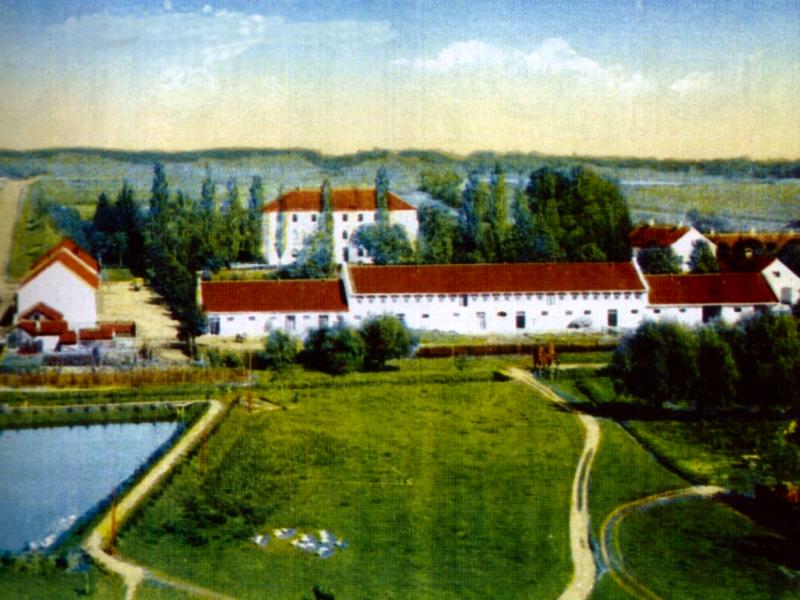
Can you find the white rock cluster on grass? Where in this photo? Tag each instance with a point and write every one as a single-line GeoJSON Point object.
{"type": "Point", "coordinates": [325, 545]}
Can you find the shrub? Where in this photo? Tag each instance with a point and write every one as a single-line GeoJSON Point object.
{"type": "Point", "coordinates": [281, 350]}
{"type": "Point", "coordinates": [336, 350]}
{"type": "Point", "coordinates": [385, 337]}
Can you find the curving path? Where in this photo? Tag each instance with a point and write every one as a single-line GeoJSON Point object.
{"type": "Point", "coordinates": [609, 543]}
{"type": "Point", "coordinates": [585, 574]}
{"type": "Point", "coordinates": [96, 543]}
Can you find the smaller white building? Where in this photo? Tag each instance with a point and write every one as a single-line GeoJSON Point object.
{"type": "Point", "coordinates": [297, 214]}
{"type": "Point", "coordinates": [695, 299]}
{"type": "Point", "coordinates": [255, 308]}
{"type": "Point", "coordinates": [784, 282]}
{"type": "Point", "coordinates": [65, 279]}
{"type": "Point", "coordinates": [678, 237]}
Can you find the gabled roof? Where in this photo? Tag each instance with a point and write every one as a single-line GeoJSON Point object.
{"type": "Point", "coordinates": [68, 260]}
{"type": "Point", "coordinates": [38, 328]}
{"type": "Point", "coordinates": [71, 246]}
{"type": "Point", "coordinates": [47, 311]}
{"type": "Point", "coordinates": [103, 332]}
{"type": "Point", "coordinates": [754, 264]}
{"type": "Point", "coordinates": [123, 328]}
{"type": "Point", "coordinates": [486, 278]}
{"type": "Point", "coordinates": [341, 200]}
{"type": "Point", "coordinates": [645, 236]}
{"type": "Point", "coordinates": [710, 289]}
{"type": "Point", "coordinates": [273, 296]}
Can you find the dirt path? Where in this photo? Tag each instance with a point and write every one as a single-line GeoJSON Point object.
{"type": "Point", "coordinates": [609, 541]}
{"type": "Point", "coordinates": [11, 191]}
{"type": "Point", "coordinates": [97, 542]}
{"type": "Point", "coordinates": [583, 578]}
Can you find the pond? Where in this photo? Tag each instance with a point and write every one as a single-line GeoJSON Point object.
{"type": "Point", "coordinates": [52, 476]}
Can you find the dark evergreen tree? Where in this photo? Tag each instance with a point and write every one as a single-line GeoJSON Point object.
{"type": "Point", "coordinates": [382, 195]}
{"type": "Point", "coordinates": [438, 234]}
{"type": "Point", "coordinates": [385, 244]}
{"type": "Point", "coordinates": [702, 259]}
{"type": "Point", "coordinates": [255, 220]}
{"type": "Point", "coordinates": [658, 260]}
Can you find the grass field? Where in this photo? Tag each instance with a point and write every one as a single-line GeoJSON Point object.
{"type": "Point", "coordinates": [54, 584]}
{"type": "Point", "coordinates": [443, 490]}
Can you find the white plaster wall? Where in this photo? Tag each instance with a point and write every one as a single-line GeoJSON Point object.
{"type": "Point", "coordinates": [683, 247]}
{"type": "Point", "coordinates": [543, 312]}
{"type": "Point", "coordinates": [261, 324]}
{"type": "Point", "coordinates": [693, 315]}
{"type": "Point", "coordinates": [63, 290]}
{"type": "Point", "coordinates": [780, 278]}
{"type": "Point", "coordinates": [345, 223]}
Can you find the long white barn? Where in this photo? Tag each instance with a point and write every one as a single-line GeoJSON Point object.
{"type": "Point", "coordinates": [297, 214]}
{"type": "Point", "coordinates": [487, 299]}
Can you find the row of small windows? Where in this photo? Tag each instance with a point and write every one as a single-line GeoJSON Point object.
{"type": "Point", "coordinates": [345, 217]}
{"type": "Point", "coordinates": [464, 299]}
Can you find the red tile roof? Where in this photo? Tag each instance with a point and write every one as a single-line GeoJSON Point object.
{"type": "Point", "coordinates": [37, 328]}
{"type": "Point", "coordinates": [126, 328]}
{"type": "Point", "coordinates": [68, 338]}
{"type": "Point", "coordinates": [68, 259]}
{"type": "Point", "coordinates": [71, 246]}
{"type": "Point", "coordinates": [50, 313]}
{"type": "Point", "coordinates": [98, 333]}
{"type": "Point", "coordinates": [342, 200]}
{"type": "Point", "coordinates": [711, 289]}
{"type": "Point", "coordinates": [519, 277]}
{"type": "Point", "coordinates": [645, 236]}
{"type": "Point", "coordinates": [273, 296]}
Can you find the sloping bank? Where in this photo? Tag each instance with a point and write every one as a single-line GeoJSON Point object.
{"type": "Point", "coordinates": [97, 544]}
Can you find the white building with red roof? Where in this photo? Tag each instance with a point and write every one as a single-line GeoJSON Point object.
{"type": "Point", "coordinates": [298, 213]}
{"type": "Point", "coordinates": [64, 281]}
{"type": "Point", "coordinates": [680, 238]}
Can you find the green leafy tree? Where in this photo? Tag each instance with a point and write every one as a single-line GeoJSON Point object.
{"type": "Point", "coordinates": [159, 192]}
{"type": "Point", "coordinates": [326, 223]}
{"type": "Point", "coordinates": [385, 337]}
{"type": "Point", "coordinates": [193, 323]}
{"type": "Point", "coordinates": [439, 230]}
{"type": "Point", "coordinates": [130, 222]}
{"type": "Point", "coordinates": [658, 260]}
{"type": "Point", "coordinates": [471, 220]}
{"type": "Point", "coordinates": [315, 259]}
{"type": "Point", "coordinates": [702, 259]}
{"type": "Point", "coordinates": [443, 185]}
{"type": "Point", "coordinates": [255, 220]}
{"type": "Point", "coordinates": [768, 356]}
{"type": "Point", "coordinates": [718, 373]}
{"type": "Point", "coordinates": [281, 350]}
{"type": "Point", "coordinates": [497, 245]}
{"type": "Point", "coordinates": [382, 195]}
{"type": "Point", "coordinates": [337, 350]}
{"type": "Point", "coordinates": [234, 224]}
{"type": "Point", "coordinates": [385, 244]}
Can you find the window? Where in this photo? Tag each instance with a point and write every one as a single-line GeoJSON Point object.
{"type": "Point", "coordinates": [291, 323]}
{"type": "Point", "coordinates": [213, 325]}
{"type": "Point", "coordinates": [683, 310]}
{"type": "Point", "coordinates": [481, 320]}
{"type": "Point", "coordinates": [323, 321]}
{"type": "Point", "coordinates": [568, 313]}
{"type": "Point", "coordinates": [360, 251]}
{"type": "Point", "coordinates": [464, 300]}
{"type": "Point", "coordinates": [786, 295]}
{"type": "Point", "coordinates": [230, 318]}
{"type": "Point", "coordinates": [551, 299]}
{"type": "Point", "coordinates": [502, 314]}
{"type": "Point", "coordinates": [737, 309]}
{"type": "Point", "coordinates": [545, 313]}
{"type": "Point", "coordinates": [776, 273]}
{"type": "Point", "coordinates": [400, 316]}
{"type": "Point", "coordinates": [612, 317]}
{"type": "Point", "coordinates": [456, 314]}
{"type": "Point", "coordinates": [635, 311]}
{"type": "Point", "coordinates": [360, 217]}
{"type": "Point", "coordinates": [313, 218]}
{"type": "Point", "coordinates": [251, 318]}
{"type": "Point", "coordinates": [346, 254]}
{"type": "Point", "coordinates": [520, 320]}
{"type": "Point", "coordinates": [425, 316]}
{"type": "Point", "coordinates": [587, 312]}
{"type": "Point", "coordinates": [294, 218]}
{"type": "Point", "coordinates": [344, 235]}
{"type": "Point", "coordinates": [344, 217]}
{"type": "Point", "coordinates": [657, 311]}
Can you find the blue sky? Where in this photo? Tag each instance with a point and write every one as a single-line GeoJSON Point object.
{"type": "Point", "coordinates": [682, 79]}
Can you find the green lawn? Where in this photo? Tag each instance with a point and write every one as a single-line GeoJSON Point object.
{"type": "Point", "coordinates": [702, 549]}
{"type": "Point", "coordinates": [456, 490]}
{"type": "Point", "coordinates": [33, 236]}
{"type": "Point", "coordinates": [52, 584]}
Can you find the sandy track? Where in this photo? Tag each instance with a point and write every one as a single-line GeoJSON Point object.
{"type": "Point", "coordinates": [97, 541]}
{"type": "Point", "coordinates": [609, 543]}
{"type": "Point", "coordinates": [11, 193]}
{"type": "Point", "coordinates": [585, 574]}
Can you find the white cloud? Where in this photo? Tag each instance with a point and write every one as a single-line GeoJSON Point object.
{"type": "Point", "coordinates": [195, 44]}
{"type": "Point", "coordinates": [693, 82]}
{"type": "Point", "coordinates": [553, 57]}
